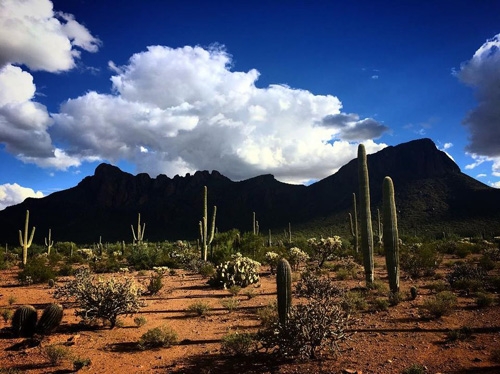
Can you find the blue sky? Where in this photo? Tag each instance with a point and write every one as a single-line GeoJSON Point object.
{"type": "Point", "coordinates": [243, 87]}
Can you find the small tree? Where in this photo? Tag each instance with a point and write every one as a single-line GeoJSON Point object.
{"type": "Point", "coordinates": [100, 298]}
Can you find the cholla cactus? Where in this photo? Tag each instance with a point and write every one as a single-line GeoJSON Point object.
{"type": "Point", "coordinates": [101, 298]}
{"type": "Point", "coordinates": [240, 271]}
{"type": "Point", "coordinates": [296, 257]}
{"type": "Point", "coordinates": [272, 259]}
{"type": "Point", "coordinates": [325, 248]}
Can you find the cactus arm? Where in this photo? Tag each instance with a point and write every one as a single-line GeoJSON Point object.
{"type": "Point", "coordinates": [133, 233]}
{"type": "Point", "coordinates": [21, 243]}
{"type": "Point", "coordinates": [143, 231]}
{"type": "Point", "coordinates": [365, 213]}
{"type": "Point", "coordinates": [212, 233]}
{"type": "Point", "coordinates": [391, 238]}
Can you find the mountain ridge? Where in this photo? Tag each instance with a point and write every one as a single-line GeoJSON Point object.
{"type": "Point", "coordinates": [431, 194]}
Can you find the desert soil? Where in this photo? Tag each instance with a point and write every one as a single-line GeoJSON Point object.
{"type": "Point", "coordinates": [382, 342]}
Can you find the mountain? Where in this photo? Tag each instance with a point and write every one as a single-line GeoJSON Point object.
{"type": "Point", "coordinates": [432, 196]}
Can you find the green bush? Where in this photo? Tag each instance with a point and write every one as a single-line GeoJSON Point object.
{"type": "Point", "coordinates": [37, 271]}
{"type": "Point", "coordinates": [441, 304]}
{"type": "Point", "coordinates": [158, 337]}
{"type": "Point", "coordinates": [199, 308]}
{"type": "Point", "coordinates": [484, 300]}
{"type": "Point", "coordinates": [140, 321]}
{"type": "Point", "coordinates": [237, 343]}
{"type": "Point", "coordinates": [80, 363]}
{"type": "Point", "coordinates": [414, 369]}
{"type": "Point", "coordinates": [6, 314]}
{"type": "Point", "coordinates": [230, 303]}
{"type": "Point", "coordinates": [420, 260]}
{"type": "Point", "coordinates": [268, 315]}
{"type": "Point", "coordinates": [101, 298]}
{"type": "Point", "coordinates": [466, 275]}
{"type": "Point", "coordinates": [56, 353]}
{"type": "Point", "coordinates": [155, 283]}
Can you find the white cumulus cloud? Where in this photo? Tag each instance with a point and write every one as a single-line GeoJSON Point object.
{"type": "Point", "coordinates": [11, 194]}
{"type": "Point", "coordinates": [33, 35]}
{"type": "Point", "coordinates": [191, 111]}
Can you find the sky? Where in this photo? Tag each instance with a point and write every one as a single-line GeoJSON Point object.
{"type": "Point", "coordinates": [288, 88]}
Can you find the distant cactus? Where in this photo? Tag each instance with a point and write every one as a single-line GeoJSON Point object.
{"type": "Point", "coordinates": [366, 216]}
{"type": "Point", "coordinates": [205, 240]}
{"type": "Point", "coordinates": [24, 321]}
{"type": "Point", "coordinates": [49, 242]}
{"type": "Point", "coordinates": [284, 289]}
{"type": "Point", "coordinates": [391, 238]}
{"type": "Point", "coordinates": [354, 224]}
{"type": "Point", "coordinates": [51, 318]}
{"type": "Point", "coordinates": [413, 292]}
{"type": "Point", "coordinates": [51, 283]}
{"type": "Point", "coordinates": [137, 239]}
{"type": "Point", "coordinates": [25, 243]}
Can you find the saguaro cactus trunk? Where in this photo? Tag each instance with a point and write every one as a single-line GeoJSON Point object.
{"type": "Point", "coordinates": [284, 289]}
{"type": "Point", "coordinates": [391, 238]}
{"type": "Point", "coordinates": [49, 242]}
{"type": "Point", "coordinates": [205, 240]}
{"type": "Point", "coordinates": [354, 224]}
{"type": "Point", "coordinates": [365, 215]}
{"type": "Point", "coordinates": [24, 242]}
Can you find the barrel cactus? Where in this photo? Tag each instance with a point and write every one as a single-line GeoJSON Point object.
{"type": "Point", "coordinates": [284, 289]}
{"type": "Point", "coordinates": [24, 321]}
{"type": "Point", "coordinates": [51, 318]}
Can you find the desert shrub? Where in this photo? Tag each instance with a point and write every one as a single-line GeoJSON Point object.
{"type": "Point", "coordinates": [441, 304]}
{"type": "Point", "coordinates": [419, 260]}
{"type": "Point", "coordinates": [381, 304]}
{"type": "Point", "coordinates": [272, 259]}
{"type": "Point", "coordinates": [466, 275]}
{"type": "Point", "coordinates": [140, 321]}
{"type": "Point", "coordinates": [268, 315]}
{"type": "Point", "coordinates": [101, 298]}
{"type": "Point", "coordinates": [37, 271]}
{"type": "Point", "coordinates": [395, 298]}
{"type": "Point", "coordinates": [6, 314]}
{"type": "Point", "coordinates": [250, 293]}
{"type": "Point", "coordinates": [414, 369]}
{"type": "Point", "coordinates": [56, 353]}
{"type": "Point", "coordinates": [158, 337]}
{"type": "Point", "coordinates": [354, 301]}
{"type": "Point", "coordinates": [207, 270]}
{"type": "Point", "coordinates": [155, 283]}
{"type": "Point", "coordinates": [463, 333]}
{"type": "Point", "coordinates": [487, 263]}
{"type": "Point", "coordinates": [237, 343]}
{"type": "Point", "coordinates": [325, 248]}
{"type": "Point", "coordinates": [316, 287]}
{"type": "Point", "coordinates": [234, 290]}
{"type": "Point", "coordinates": [105, 265]}
{"type": "Point", "coordinates": [495, 355]}
{"type": "Point", "coordinates": [240, 271]}
{"type": "Point", "coordinates": [438, 286]}
{"type": "Point", "coordinates": [230, 303]}
{"type": "Point", "coordinates": [318, 324]}
{"type": "Point", "coordinates": [11, 300]}
{"type": "Point", "coordinates": [484, 300]}
{"type": "Point", "coordinates": [199, 308]}
{"type": "Point", "coordinates": [79, 363]}
{"type": "Point", "coordinates": [66, 270]}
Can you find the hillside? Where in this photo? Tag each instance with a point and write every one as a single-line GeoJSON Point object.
{"type": "Point", "coordinates": [432, 196]}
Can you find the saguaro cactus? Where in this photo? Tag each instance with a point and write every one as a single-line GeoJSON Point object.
{"type": "Point", "coordinates": [354, 224]}
{"type": "Point", "coordinates": [284, 289]}
{"type": "Point", "coordinates": [24, 321]}
{"type": "Point", "coordinates": [391, 239]}
{"type": "Point", "coordinates": [137, 239]}
{"type": "Point", "coordinates": [49, 242]}
{"type": "Point", "coordinates": [205, 240]}
{"type": "Point", "coordinates": [365, 215]}
{"type": "Point", "coordinates": [51, 318]}
{"type": "Point", "coordinates": [25, 243]}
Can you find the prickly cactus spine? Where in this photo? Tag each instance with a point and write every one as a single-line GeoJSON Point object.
{"type": "Point", "coordinates": [365, 215]}
{"type": "Point", "coordinates": [391, 238]}
{"type": "Point", "coordinates": [284, 288]}
{"type": "Point", "coordinates": [51, 318]}
{"type": "Point", "coordinates": [24, 321]}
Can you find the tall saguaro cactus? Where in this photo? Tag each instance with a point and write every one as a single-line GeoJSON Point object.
{"type": "Point", "coordinates": [354, 224]}
{"type": "Point", "coordinates": [365, 215]}
{"type": "Point", "coordinates": [24, 242]}
{"type": "Point", "coordinates": [140, 231]}
{"type": "Point", "coordinates": [205, 240]}
{"type": "Point", "coordinates": [49, 242]}
{"type": "Point", "coordinates": [391, 238]}
{"type": "Point", "coordinates": [284, 289]}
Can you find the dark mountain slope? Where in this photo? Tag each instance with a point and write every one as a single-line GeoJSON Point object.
{"type": "Point", "coordinates": [431, 194]}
